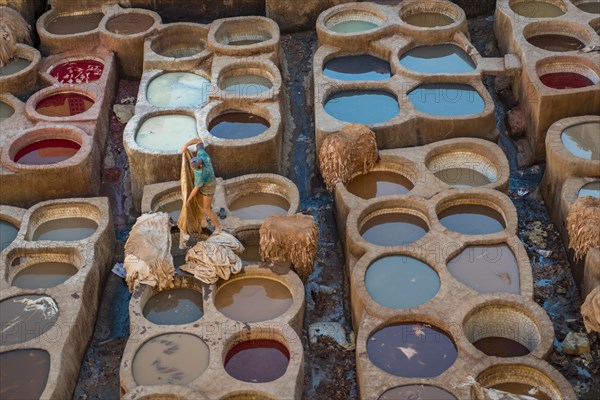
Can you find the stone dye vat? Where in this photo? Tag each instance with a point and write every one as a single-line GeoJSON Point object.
{"type": "Point", "coordinates": [160, 354]}
{"type": "Point", "coordinates": [50, 297]}
{"type": "Point", "coordinates": [19, 76]}
{"type": "Point", "coordinates": [429, 84]}
{"type": "Point", "coordinates": [556, 76]}
{"type": "Point", "coordinates": [178, 89]}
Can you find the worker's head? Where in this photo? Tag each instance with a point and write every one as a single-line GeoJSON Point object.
{"type": "Point", "coordinates": [197, 163]}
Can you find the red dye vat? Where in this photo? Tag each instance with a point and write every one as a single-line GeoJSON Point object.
{"type": "Point", "coordinates": [49, 151]}
{"type": "Point", "coordinates": [78, 71]}
{"type": "Point", "coordinates": [64, 104]}
{"type": "Point", "coordinates": [566, 80]}
{"type": "Point", "coordinates": [257, 361]}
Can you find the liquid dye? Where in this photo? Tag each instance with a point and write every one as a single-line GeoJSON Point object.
{"type": "Point", "coordinates": [472, 219]}
{"type": "Point", "coordinates": [174, 307]}
{"type": "Point", "coordinates": [501, 347]}
{"type": "Point", "coordinates": [253, 299]}
{"type": "Point", "coordinates": [72, 24]}
{"type": "Point", "coordinates": [23, 374]}
{"type": "Point", "coordinates": [354, 26]}
{"type": "Point", "coordinates": [14, 66]}
{"type": "Point", "coordinates": [558, 43]}
{"type": "Point", "coordinates": [362, 107]}
{"type": "Point", "coordinates": [428, 19]}
{"type": "Point", "coordinates": [245, 42]}
{"type": "Point", "coordinates": [46, 152]}
{"type": "Point", "coordinates": [412, 350]}
{"type": "Point", "coordinates": [416, 392]}
{"type": "Point", "coordinates": [257, 361]}
{"type": "Point", "coordinates": [357, 68]}
{"type": "Point", "coordinates": [6, 111]}
{"type": "Point", "coordinates": [590, 189]}
{"type": "Point", "coordinates": [24, 318]}
{"type": "Point", "coordinates": [487, 269]}
{"type": "Point", "coordinates": [65, 229]}
{"type": "Point", "coordinates": [130, 23]}
{"type": "Point", "coordinates": [64, 105]}
{"type": "Point", "coordinates": [379, 183]}
{"type": "Point", "coordinates": [166, 132]}
{"type": "Point", "coordinates": [394, 229]}
{"type": "Point", "coordinates": [593, 7]}
{"type": "Point", "coordinates": [537, 9]}
{"type": "Point", "coordinates": [259, 206]}
{"type": "Point", "coordinates": [246, 85]}
{"type": "Point", "coordinates": [44, 275]}
{"type": "Point", "coordinates": [447, 99]}
{"type": "Point", "coordinates": [8, 233]}
{"type": "Point", "coordinates": [79, 71]}
{"type": "Point", "coordinates": [237, 125]}
{"type": "Point", "coordinates": [583, 140]}
{"type": "Point", "coordinates": [462, 178]}
{"type": "Point", "coordinates": [178, 89]}
{"type": "Point", "coordinates": [438, 59]}
{"type": "Point", "coordinates": [171, 359]}
{"type": "Point", "coordinates": [401, 282]}
{"type": "Point", "coordinates": [565, 80]}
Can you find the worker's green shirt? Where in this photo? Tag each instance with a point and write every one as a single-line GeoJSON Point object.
{"type": "Point", "coordinates": [206, 174]}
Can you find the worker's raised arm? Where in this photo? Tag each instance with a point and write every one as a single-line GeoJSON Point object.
{"type": "Point", "coordinates": [191, 142]}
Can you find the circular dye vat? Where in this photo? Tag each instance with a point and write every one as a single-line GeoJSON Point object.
{"type": "Point", "coordinates": [537, 9]}
{"type": "Point", "coordinates": [259, 206]}
{"type": "Point", "coordinates": [522, 389]}
{"type": "Point", "coordinates": [46, 152]}
{"type": "Point", "coordinates": [64, 104]}
{"type": "Point", "coordinates": [178, 89]}
{"type": "Point", "coordinates": [6, 111]}
{"type": "Point", "coordinates": [462, 178]}
{"type": "Point", "coordinates": [472, 219]}
{"type": "Point", "coordinates": [447, 99]}
{"type": "Point", "coordinates": [257, 361]}
{"type": "Point", "coordinates": [23, 374]}
{"type": "Point", "coordinates": [24, 318]}
{"type": "Point", "coordinates": [378, 184]}
{"type": "Point", "coordinates": [353, 26]}
{"type": "Point", "coordinates": [65, 229]}
{"type": "Point", "coordinates": [78, 71]}
{"type": "Point", "coordinates": [552, 42]}
{"type": "Point", "coordinates": [174, 307]}
{"type": "Point", "coordinates": [173, 209]}
{"type": "Point", "coordinates": [251, 253]}
{"type": "Point", "coordinates": [394, 229]}
{"type": "Point", "coordinates": [565, 80]}
{"type": "Point", "coordinates": [438, 59]}
{"type": "Point", "coordinates": [253, 299]}
{"type": "Point", "coordinates": [487, 269]}
{"type": "Point", "coordinates": [72, 24]}
{"type": "Point", "coordinates": [358, 68]}
{"type": "Point", "coordinates": [412, 350]}
{"type": "Point", "coordinates": [44, 275]}
{"type": "Point", "coordinates": [8, 233]}
{"type": "Point", "coordinates": [13, 66]}
{"type": "Point", "coordinates": [583, 140]}
{"type": "Point", "coordinates": [246, 85]}
{"type": "Point", "coordinates": [171, 359]}
{"type": "Point", "coordinates": [592, 7]}
{"type": "Point", "coordinates": [417, 392]}
{"type": "Point", "coordinates": [401, 282]}
{"type": "Point", "coordinates": [166, 132]}
{"type": "Point", "coordinates": [129, 23]}
{"type": "Point", "coordinates": [590, 189]}
{"type": "Point", "coordinates": [362, 107]}
{"type": "Point", "coordinates": [237, 125]}
{"type": "Point", "coordinates": [500, 347]}
{"type": "Point", "coordinates": [428, 20]}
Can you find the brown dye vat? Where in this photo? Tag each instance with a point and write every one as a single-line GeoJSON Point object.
{"type": "Point", "coordinates": [64, 105]}
{"type": "Point", "coordinates": [583, 140]}
{"type": "Point", "coordinates": [14, 66]}
{"type": "Point", "coordinates": [129, 23]}
{"type": "Point", "coordinates": [24, 318]}
{"type": "Point", "coordinates": [65, 229]}
{"type": "Point", "coordinates": [72, 24]}
{"type": "Point", "coordinates": [379, 183]}
{"type": "Point", "coordinates": [237, 125]}
{"type": "Point", "coordinates": [593, 7]}
{"type": "Point", "coordinates": [257, 361]}
{"type": "Point", "coordinates": [174, 307]}
{"type": "Point", "coordinates": [417, 392]}
{"type": "Point", "coordinates": [44, 275]}
{"type": "Point", "coordinates": [501, 347]}
{"type": "Point", "coordinates": [171, 359]}
{"type": "Point", "coordinates": [412, 350]}
{"type": "Point", "coordinates": [472, 219]}
{"type": "Point", "coordinates": [487, 269]}
{"type": "Point", "coordinates": [428, 20]}
{"type": "Point", "coordinates": [259, 206]}
{"type": "Point", "coordinates": [523, 390]}
{"type": "Point", "coordinates": [253, 299]}
{"type": "Point", "coordinates": [394, 229]}
{"type": "Point", "coordinates": [23, 374]}
{"type": "Point", "coordinates": [537, 9]}
{"type": "Point", "coordinates": [559, 43]}
{"type": "Point", "coordinates": [462, 178]}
